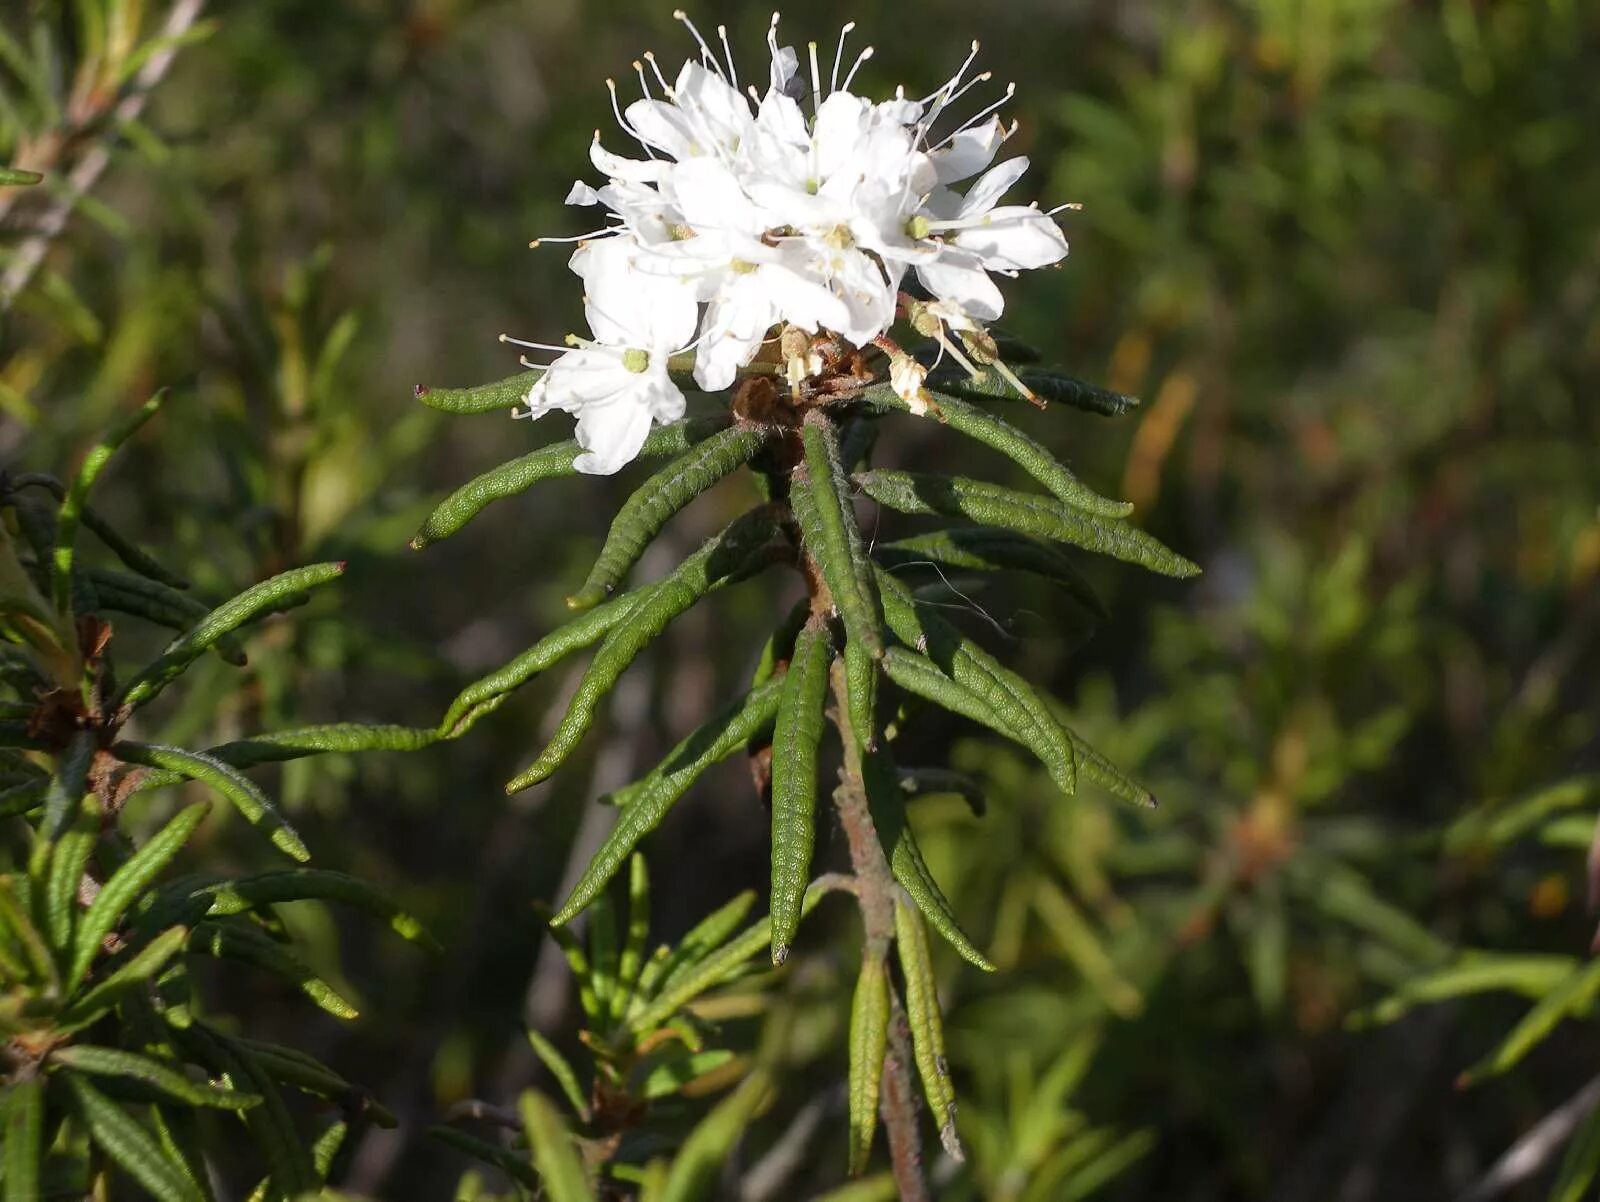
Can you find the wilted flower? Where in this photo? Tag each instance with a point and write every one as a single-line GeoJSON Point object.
{"type": "Point", "coordinates": [745, 217]}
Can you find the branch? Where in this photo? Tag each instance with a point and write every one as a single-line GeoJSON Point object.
{"type": "Point", "coordinates": [87, 171]}
{"type": "Point", "coordinates": [875, 893]}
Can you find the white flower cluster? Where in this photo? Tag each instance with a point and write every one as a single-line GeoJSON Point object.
{"type": "Point", "coordinates": [745, 215]}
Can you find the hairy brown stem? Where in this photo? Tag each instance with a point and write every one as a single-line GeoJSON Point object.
{"type": "Point", "coordinates": [875, 894]}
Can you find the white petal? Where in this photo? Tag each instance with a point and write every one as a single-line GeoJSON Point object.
{"type": "Point", "coordinates": [1014, 238]}
{"type": "Point", "coordinates": [662, 125]}
{"type": "Point", "coordinates": [582, 194]}
{"type": "Point", "coordinates": [721, 111]}
{"type": "Point", "coordinates": [627, 303]}
{"type": "Point", "coordinates": [958, 278]}
{"type": "Point", "coordinates": [735, 324]}
{"type": "Point", "coordinates": [709, 195]}
{"type": "Point", "coordinates": [780, 118]}
{"type": "Point", "coordinates": [802, 300]}
{"type": "Point", "coordinates": [611, 434]}
{"type": "Point", "coordinates": [617, 167]}
{"type": "Point", "coordinates": [969, 151]}
{"type": "Point", "coordinates": [992, 185]}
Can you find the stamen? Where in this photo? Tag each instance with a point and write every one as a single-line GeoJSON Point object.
{"type": "Point", "coordinates": [816, 79]}
{"type": "Point", "coordinates": [861, 58]}
{"type": "Point", "coordinates": [733, 74]}
{"type": "Point", "coordinates": [955, 79]}
{"type": "Point", "coordinates": [1074, 205]}
{"type": "Point", "coordinates": [705, 50]}
{"type": "Point", "coordinates": [534, 346]}
{"type": "Point", "coordinates": [775, 51]}
{"type": "Point", "coordinates": [838, 55]}
{"type": "Point", "coordinates": [604, 231]}
{"type": "Point", "coordinates": [616, 111]}
{"type": "Point", "coordinates": [644, 85]}
{"type": "Point", "coordinates": [650, 57]}
{"type": "Point", "coordinates": [1011, 90]}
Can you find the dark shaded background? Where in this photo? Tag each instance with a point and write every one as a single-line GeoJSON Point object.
{"type": "Point", "coordinates": [1346, 251]}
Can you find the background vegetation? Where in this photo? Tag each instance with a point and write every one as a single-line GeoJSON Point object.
{"type": "Point", "coordinates": [1346, 251]}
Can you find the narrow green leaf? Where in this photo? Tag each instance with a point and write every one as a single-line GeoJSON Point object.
{"type": "Point", "coordinates": [513, 1167]}
{"type": "Point", "coordinates": [1046, 385]}
{"type": "Point", "coordinates": [134, 557]}
{"type": "Point", "coordinates": [698, 1165]}
{"type": "Point", "coordinates": [122, 592]}
{"type": "Point", "coordinates": [482, 696]}
{"type": "Point", "coordinates": [991, 549]}
{"type": "Point", "coordinates": [744, 547]}
{"type": "Point", "coordinates": [779, 647]}
{"type": "Point", "coordinates": [480, 398]}
{"type": "Point", "coordinates": [926, 1023]}
{"type": "Point", "coordinates": [69, 785]}
{"type": "Point", "coordinates": [631, 962]}
{"type": "Point", "coordinates": [239, 790]}
{"type": "Point", "coordinates": [861, 677]}
{"type": "Point", "coordinates": [927, 782]}
{"type": "Point", "coordinates": [676, 1072]}
{"type": "Point", "coordinates": [128, 883]}
{"type": "Point", "coordinates": [560, 1171]}
{"type": "Point", "coordinates": [113, 1062]}
{"type": "Point", "coordinates": [714, 741]}
{"type": "Point", "coordinates": [905, 857]}
{"type": "Point", "coordinates": [130, 1146]}
{"type": "Point", "coordinates": [314, 884]}
{"type": "Point", "coordinates": [19, 799]}
{"type": "Point", "coordinates": [16, 177]}
{"type": "Point", "coordinates": [869, 1040]}
{"type": "Point", "coordinates": [577, 958]}
{"type": "Point", "coordinates": [655, 502]}
{"type": "Point", "coordinates": [34, 948]}
{"type": "Point", "coordinates": [24, 1145]}
{"type": "Point", "coordinates": [703, 938]}
{"type": "Point", "coordinates": [178, 1132]}
{"type": "Point", "coordinates": [84, 1008]}
{"type": "Point", "coordinates": [561, 1070]}
{"type": "Point", "coordinates": [1083, 948]}
{"type": "Point", "coordinates": [600, 926]}
{"type": "Point", "coordinates": [1026, 513]}
{"type": "Point", "coordinates": [271, 1126]}
{"type": "Point", "coordinates": [309, 1075]}
{"type": "Point", "coordinates": [820, 499]}
{"type": "Point", "coordinates": [1005, 693]}
{"type": "Point", "coordinates": [1023, 450]}
{"type": "Point", "coordinates": [274, 747]}
{"type": "Point", "coordinates": [1581, 1164]}
{"type": "Point", "coordinates": [710, 971]}
{"type": "Point", "coordinates": [248, 945]}
{"type": "Point", "coordinates": [551, 462]}
{"type": "Point", "coordinates": [796, 740]}
{"type": "Point", "coordinates": [1531, 975]}
{"type": "Point", "coordinates": [68, 858]}
{"type": "Point", "coordinates": [71, 511]}
{"type": "Point", "coordinates": [284, 589]}
{"type": "Point", "coordinates": [1574, 996]}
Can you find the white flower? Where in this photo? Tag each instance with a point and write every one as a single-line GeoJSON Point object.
{"type": "Point", "coordinates": [979, 238]}
{"type": "Point", "coordinates": [618, 384]}
{"type": "Point", "coordinates": [747, 216]}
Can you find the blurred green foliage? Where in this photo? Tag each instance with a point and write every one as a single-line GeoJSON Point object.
{"type": "Point", "coordinates": [1346, 251]}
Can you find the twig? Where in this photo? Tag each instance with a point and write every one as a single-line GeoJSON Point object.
{"type": "Point", "coordinates": [87, 171]}
{"type": "Point", "coordinates": [1534, 1150]}
{"type": "Point", "coordinates": [875, 893]}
